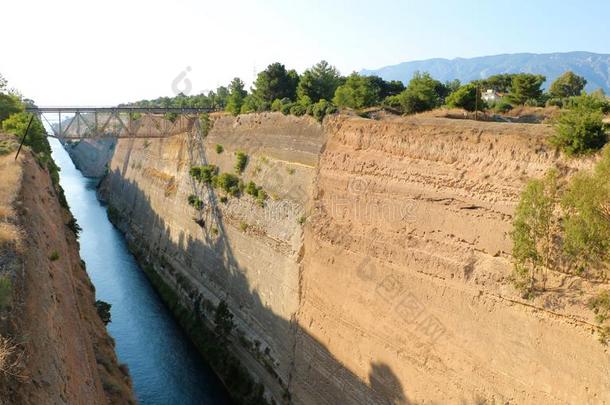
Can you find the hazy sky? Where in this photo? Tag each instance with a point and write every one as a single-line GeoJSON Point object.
{"type": "Point", "coordinates": [69, 52]}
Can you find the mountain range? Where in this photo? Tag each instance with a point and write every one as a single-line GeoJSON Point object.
{"type": "Point", "coordinates": [594, 67]}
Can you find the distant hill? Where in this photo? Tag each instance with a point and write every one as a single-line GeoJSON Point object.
{"type": "Point", "coordinates": [594, 67]}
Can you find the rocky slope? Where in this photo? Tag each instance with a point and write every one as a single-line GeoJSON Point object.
{"type": "Point", "coordinates": [65, 354]}
{"type": "Point", "coordinates": [378, 269]}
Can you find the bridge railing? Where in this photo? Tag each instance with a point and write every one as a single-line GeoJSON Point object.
{"type": "Point", "coordinates": [118, 122]}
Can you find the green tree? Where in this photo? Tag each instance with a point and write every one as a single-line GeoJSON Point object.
{"type": "Point", "coordinates": [275, 82]}
{"type": "Point", "coordinates": [452, 86]}
{"type": "Point", "coordinates": [9, 104]}
{"type": "Point", "coordinates": [525, 87]}
{"type": "Point", "coordinates": [579, 128]}
{"type": "Point", "coordinates": [421, 94]}
{"type": "Point", "coordinates": [586, 224]}
{"type": "Point", "coordinates": [319, 82]}
{"type": "Point", "coordinates": [236, 96]}
{"type": "Point", "coordinates": [500, 83]}
{"type": "Point", "coordinates": [532, 231]}
{"type": "Point", "coordinates": [359, 91]}
{"type": "Point", "coordinates": [567, 85]}
{"type": "Point", "coordinates": [467, 97]}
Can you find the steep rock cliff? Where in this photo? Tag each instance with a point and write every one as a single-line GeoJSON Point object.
{"type": "Point", "coordinates": [378, 269]}
{"type": "Point", "coordinates": [65, 354]}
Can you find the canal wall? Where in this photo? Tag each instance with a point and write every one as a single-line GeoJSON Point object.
{"type": "Point", "coordinates": [377, 270]}
{"type": "Point", "coordinates": [54, 346]}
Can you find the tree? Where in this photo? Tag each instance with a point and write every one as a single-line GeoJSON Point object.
{"type": "Point", "coordinates": [236, 96]}
{"type": "Point", "coordinates": [579, 128]}
{"type": "Point", "coordinates": [524, 87]}
{"type": "Point", "coordinates": [319, 82]}
{"type": "Point", "coordinates": [275, 82]}
{"type": "Point", "coordinates": [532, 226]}
{"type": "Point", "coordinates": [567, 85]}
{"type": "Point", "coordinates": [452, 86]}
{"type": "Point", "coordinates": [586, 225]}
{"type": "Point", "coordinates": [359, 91]}
{"type": "Point", "coordinates": [421, 94]}
{"type": "Point", "coordinates": [467, 97]}
{"type": "Point", "coordinates": [500, 83]}
{"type": "Point", "coordinates": [9, 104]}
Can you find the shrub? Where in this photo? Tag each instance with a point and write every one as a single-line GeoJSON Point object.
{"type": "Point", "coordinates": [103, 310]}
{"type": "Point", "coordinates": [321, 109]}
{"type": "Point", "coordinates": [241, 162]}
{"type": "Point", "coordinates": [276, 105]}
{"type": "Point", "coordinates": [195, 201]}
{"type": "Point", "coordinates": [224, 199]}
{"type": "Point", "coordinates": [219, 148]}
{"type": "Point", "coordinates": [243, 226]}
{"type": "Point", "coordinates": [203, 174]}
{"type": "Point", "coordinates": [580, 128]}
{"type": "Point", "coordinates": [285, 108]}
{"type": "Point", "coordinates": [467, 97]}
{"type": "Point", "coordinates": [54, 256]}
{"type": "Point", "coordinates": [261, 196]}
{"type": "Point", "coordinates": [298, 110]}
{"type": "Point", "coordinates": [532, 237]}
{"type": "Point", "coordinates": [229, 183]}
{"type": "Point", "coordinates": [251, 189]}
{"type": "Point", "coordinates": [503, 106]}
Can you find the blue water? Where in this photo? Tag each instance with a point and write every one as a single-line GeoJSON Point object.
{"type": "Point", "coordinates": [164, 365]}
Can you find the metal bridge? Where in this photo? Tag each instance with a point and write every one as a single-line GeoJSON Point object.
{"type": "Point", "coordinates": [80, 123]}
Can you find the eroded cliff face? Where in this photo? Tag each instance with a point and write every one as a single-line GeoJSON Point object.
{"type": "Point", "coordinates": [66, 355]}
{"type": "Point", "coordinates": [378, 269]}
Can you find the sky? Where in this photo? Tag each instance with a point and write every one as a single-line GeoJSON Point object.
{"type": "Point", "coordinates": [101, 53]}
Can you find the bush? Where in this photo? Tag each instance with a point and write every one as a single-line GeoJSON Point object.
{"type": "Point", "coordinates": [54, 256]}
{"type": "Point", "coordinates": [467, 97]}
{"type": "Point", "coordinates": [241, 162]}
{"type": "Point", "coordinates": [503, 106]}
{"type": "Point", "coordinates": [219, 148]}
{"type": "Point", "coordinates": [203, 174]}
{"type": "Point", "coordinates": [251, 189]}
{"type": "Point", "coordinates": [321, 109]}
{"type": "Point", "coordinates": [261, 196]}
{"type": "Point", "coordinates": [103, 310]}
{"type": "Point", "coordinates": [195, 201]}
{"type": "Point", "coordinates": [580, 128]}
{"type": "Point", "coordinates": [298, 110]}
{"type": "Point", "coordinates": [228, 182]}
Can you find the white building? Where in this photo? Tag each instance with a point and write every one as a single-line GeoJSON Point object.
{"type": "Point", "coordinates": [491, 96]}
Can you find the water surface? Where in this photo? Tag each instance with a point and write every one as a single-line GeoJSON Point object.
{"type": "Point", "coordinates": [164, 364]}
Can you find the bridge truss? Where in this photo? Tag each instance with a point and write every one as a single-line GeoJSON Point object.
{"type": "Point", "coordinates": [80, 123]}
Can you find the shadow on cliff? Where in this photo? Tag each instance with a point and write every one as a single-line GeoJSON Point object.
{"type": "Point", "coordinates": [313, 375]}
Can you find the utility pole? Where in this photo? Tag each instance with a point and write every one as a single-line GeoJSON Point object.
{"type": "Point", "coordinates": [476, 103]}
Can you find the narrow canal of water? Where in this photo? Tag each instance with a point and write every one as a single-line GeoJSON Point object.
{"type": "Point", "coordinates": [164, 365]}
